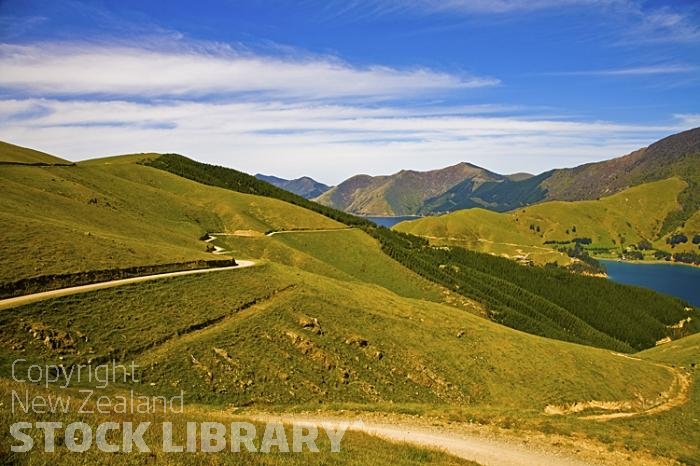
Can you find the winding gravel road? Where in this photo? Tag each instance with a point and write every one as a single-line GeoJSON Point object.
{"type": "Point", "coordinates": [34, 297]}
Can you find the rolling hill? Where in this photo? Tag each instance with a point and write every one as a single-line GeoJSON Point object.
{"type": "Point", "coordinates": [135, 211]}
{"type": "Point", "coordinates": [103, 214]}
{"type": "Point", "coordinates": [577, 309]}
{"type": "Point", "coordinates": [610, 225]}
{"type": "Point", "coordinates": [16, 155]}
{"type": "Point", "coordinates": [304, 186]}
{"type": "Point", "coordinates": [338, 313]}
{"type": "Point", "coordinates": [276, 335]}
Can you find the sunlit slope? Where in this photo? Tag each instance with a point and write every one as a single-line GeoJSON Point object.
{"type": "Point", "coordinates": [279, 335]}
{"type": "Point", "coordinates": [621, 219]}
{"type": "Point", "coordinates": [690, 228]}
{"type": "Point", "coordinates": [356, 449]}
{"type": "Point", "coordinates": [676, 432]}
{"type": "Point", "coordinates": [348, 254]}
{"type": "Point", "coordinates": [684, 352]}
{"type": "Point", "coordinates": [543, 301]}
{"type": "Point", "coordinates": [96, 216]}
{"type": "Point", "coordinates": [22, 155]}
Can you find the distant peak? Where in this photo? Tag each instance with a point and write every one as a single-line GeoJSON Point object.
{"type": "Point", "coordinates": [520, 176]}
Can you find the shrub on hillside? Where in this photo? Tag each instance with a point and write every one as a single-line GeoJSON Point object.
{"type": "Point", "coordinates": [676, 238]}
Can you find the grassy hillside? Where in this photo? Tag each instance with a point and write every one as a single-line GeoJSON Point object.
{"type": "Point", "coordinates": [115, 212]}
{"type": "Point", "coordinates": [536, 232]}
{"type": "Point", "coordinates": [104, 214]}
{"type": "Point", "coordinates": [356, 449]}
{"type": "Point", "coordinates": [541, 301]}
{"type": "Point", "coordinates": [349, 255]}
{"type": "Point", "coordinates": [9, 153]}
{"type": "Point", "coordinates": [329, 319]}
{"type": "Point", "coordinates": [673, 433]}
{"type": "Point", "coordinates": [275, 335]}
{"type": "Point", "coordinates": [684, 352]}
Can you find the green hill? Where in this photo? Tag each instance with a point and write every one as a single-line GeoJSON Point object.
{"type": "Point", "coordinates": [16, 155]}
{"type": "Point", "coordinates": [538, 232]}
{"type": "Point", "coordinates": [277, 335]}
{"type": "Point", "coordinates": [115, 212]}
{"type": "Point", "coordinates": [101, 215]}
{"type": "Point", "coordinates": [331, 318]}
{"type": "Point", "coordinates": [578, 309]}
{"type": "Point", "coordinates": [675, 430]}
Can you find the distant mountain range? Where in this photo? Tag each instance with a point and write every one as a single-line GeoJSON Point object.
{"type": "Point", "coordinates": [465, 185]}
{"type": "Point", "coordinates": [407, 192]}
{"type": "Point", "coordinates": [304, 186]}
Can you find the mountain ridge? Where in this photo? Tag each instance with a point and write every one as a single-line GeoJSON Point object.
{"type": "Point", "coordinates": [404, 192]}
{"type": "Point", "coordinates": [304, 186]}
{"type": "Point", "coordinates": [675, 155]}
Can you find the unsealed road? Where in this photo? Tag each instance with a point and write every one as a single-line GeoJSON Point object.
{"type": "Point", "coordinates": [34, 297]}
{"type": "Point", "coordinates": [485, 451]}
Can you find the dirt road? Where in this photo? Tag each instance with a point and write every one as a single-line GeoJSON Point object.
{"type": "Point", "coordinates": [474, 447]}
{"type": "Point", "coordinates": [31, 298]}
{"type": "Point", "coordinates": [323, 230]}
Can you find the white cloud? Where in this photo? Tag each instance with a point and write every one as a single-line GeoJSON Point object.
{"type": "Point", "coordinates": [47, 69]}
{"type": "Point", "coordinates": [690, 120]}
{"type": "Point", "coordinates": [328, 142]}
{"type": "Point", "coordinates": [284, 116]}
{"type": "Point", "coordinates": [664, 25]}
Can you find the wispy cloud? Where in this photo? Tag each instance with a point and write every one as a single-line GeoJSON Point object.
{"type": "Point", "coordinates": [662, 25]}
{"type": "Point", "coordinates": [290, 114]}
{"type": "Point", "coordinates": [504, 6]}
{"type": "Point", "coordinates": [383, 7]}
{"type": "Point", "coordinates": [49, 69]}
{"type": "Point", "coordinates": [12, 26]}
{"type": "Point", "coordinates": [632, 71]}
{"type": "Point", "coordinates": [690, 120]}
{"type": "Point", "coordinates": [631, 21]}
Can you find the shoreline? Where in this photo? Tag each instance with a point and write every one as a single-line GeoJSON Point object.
{"type": "Point", "coordinates": [646, 262]}
{"type": "Point", "coordinates": [392, 216]}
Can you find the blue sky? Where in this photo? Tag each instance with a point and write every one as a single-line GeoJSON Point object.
{"type": "Point", "coordinates": [335, 88]}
